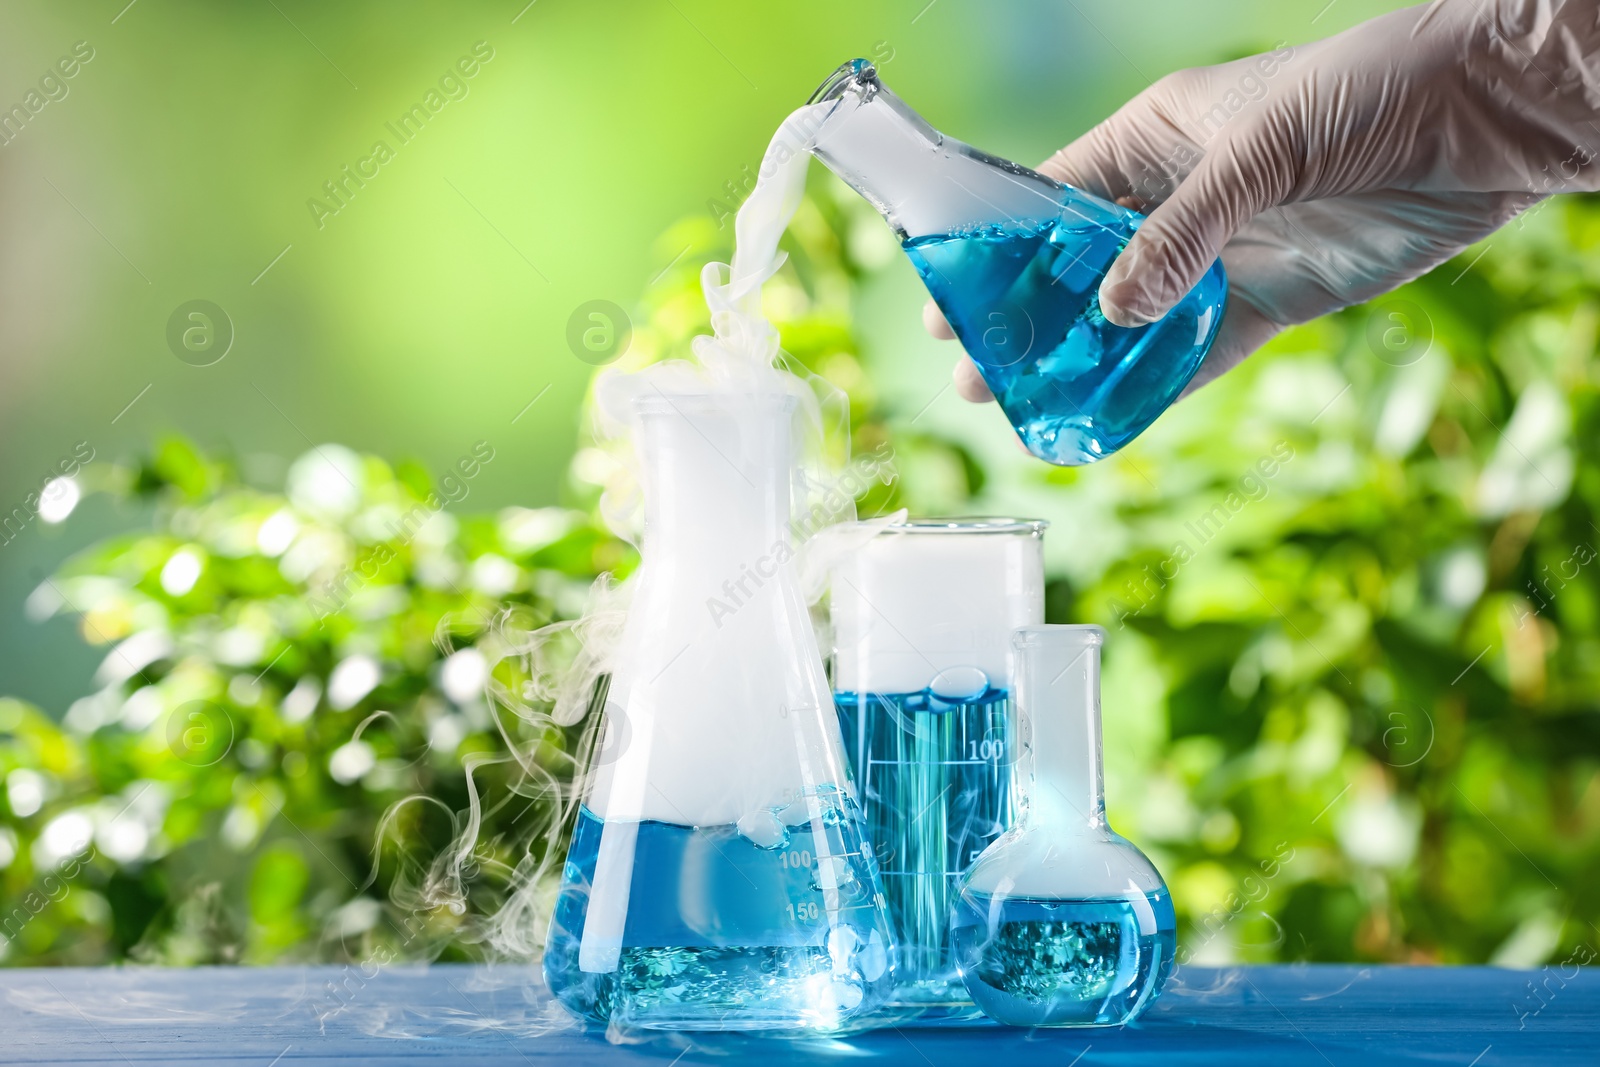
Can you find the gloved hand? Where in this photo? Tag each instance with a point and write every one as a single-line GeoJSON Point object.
{"type": "Point", "coordinates": [1326, 174]}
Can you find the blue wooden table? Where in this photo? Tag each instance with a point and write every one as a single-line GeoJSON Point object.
{"type": "Point", "coordinates": [1325, 1016]}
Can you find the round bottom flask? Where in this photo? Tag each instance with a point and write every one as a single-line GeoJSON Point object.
{"type": "Point", "coordinates": [1061, 922]}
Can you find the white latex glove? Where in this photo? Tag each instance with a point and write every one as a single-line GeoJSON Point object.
{"type": "Point", "coordinates": [1328, 173]}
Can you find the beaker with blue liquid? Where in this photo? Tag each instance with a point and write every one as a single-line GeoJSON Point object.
{"type": "Point", "coordinates": [1062, 921]}
{"type": "Point", "coordinates": [922, 616]}
{"type": "Point", "coordinates": [1014, 260]}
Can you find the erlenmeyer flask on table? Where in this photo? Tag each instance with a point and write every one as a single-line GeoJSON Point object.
{"type": "Point", "coordinates": [718, 877]}
{"type": "Point", "coordinates": [1062, 922]}
{"type": "Point", "coordinates": [922, 620]}
{"type": "Point", "coordinates": [1014, 260]}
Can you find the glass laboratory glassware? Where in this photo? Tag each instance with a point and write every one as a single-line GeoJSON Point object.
{"type": "Point", "coordinates": [1014, 260]}
{"type": "Point", "coordinates": [718, 876]}
{"type": "Point", "coordinates": [922, 619]}
{"type": "Point", "coordinates": [1062, 922]}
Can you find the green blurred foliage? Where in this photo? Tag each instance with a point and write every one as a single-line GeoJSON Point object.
{"type": "Point", "coordinates": [434, 306]}
{"type": "Point", "coordinates": [1352, 695]}
{"type": "Point", "coordinates": [282, 670]}
{"type": "Point", "coordinates": [1350, 687]}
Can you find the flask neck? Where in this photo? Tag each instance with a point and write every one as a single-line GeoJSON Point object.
{"type": "Point", "coordinates": [716, 473]}
{"type": "Point", "coordinates": [921, 181]}
{"type": "Point", "coordinates": [1058, 722]}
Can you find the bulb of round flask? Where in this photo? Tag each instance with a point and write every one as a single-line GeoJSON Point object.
{"type": "Point", "coordinates": [1062, 922]}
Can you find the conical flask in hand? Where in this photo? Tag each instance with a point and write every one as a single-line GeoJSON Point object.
{"type": "Point", "coordinates": [1014, 260]}
{"type": "Point", "coordinates": [718, 878]}
{"type": "Point", "coordinates": [1062, 922]}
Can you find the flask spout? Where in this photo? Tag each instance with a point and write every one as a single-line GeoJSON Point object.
{"type": "Point", "coordinates": [922, 182]}
{"type": "Point", "coordinates": [858, 75]}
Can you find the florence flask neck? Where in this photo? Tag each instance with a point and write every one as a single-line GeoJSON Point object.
{"type": "Point", "coordinates": [1059, 779]}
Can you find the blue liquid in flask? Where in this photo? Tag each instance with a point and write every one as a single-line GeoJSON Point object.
{"type": "Point", "coordinates": [935, 779]}
{"type": "Point", "coordinates": [725, 930]}
{"type": "Point", "coordinates": [1023, 299]}
{"type": "Point", "coordinates": [1064, 962]}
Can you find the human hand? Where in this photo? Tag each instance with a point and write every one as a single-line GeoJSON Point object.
{"type": "Point", "coordinates": [1329, 173]}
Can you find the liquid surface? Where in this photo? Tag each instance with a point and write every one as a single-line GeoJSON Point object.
{"type": "Point", "coordinates": [1023, 301]}
{"type": "Point", "coordinates": [1064, 962]}
{"type": "Point", "coordinates": [773, 923]}
{"type": "Point", "coordinates": [935, 781]}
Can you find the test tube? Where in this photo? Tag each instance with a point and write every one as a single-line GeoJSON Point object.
{"type": "Point", "coordinates": [922, 619]}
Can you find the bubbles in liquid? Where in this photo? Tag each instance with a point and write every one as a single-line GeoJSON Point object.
{"type": "Point", "coordinates": [763, 830]}
{"type": "Point", "coordinates": [1064, 962]}
{"type": "Point", "coordinates": [722, 933]}
{"type": "Point", "coordinates": [935, 777]}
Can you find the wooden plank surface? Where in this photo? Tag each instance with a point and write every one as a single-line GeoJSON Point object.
{"type": "Point", "coordinates": [1324, 1016]}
